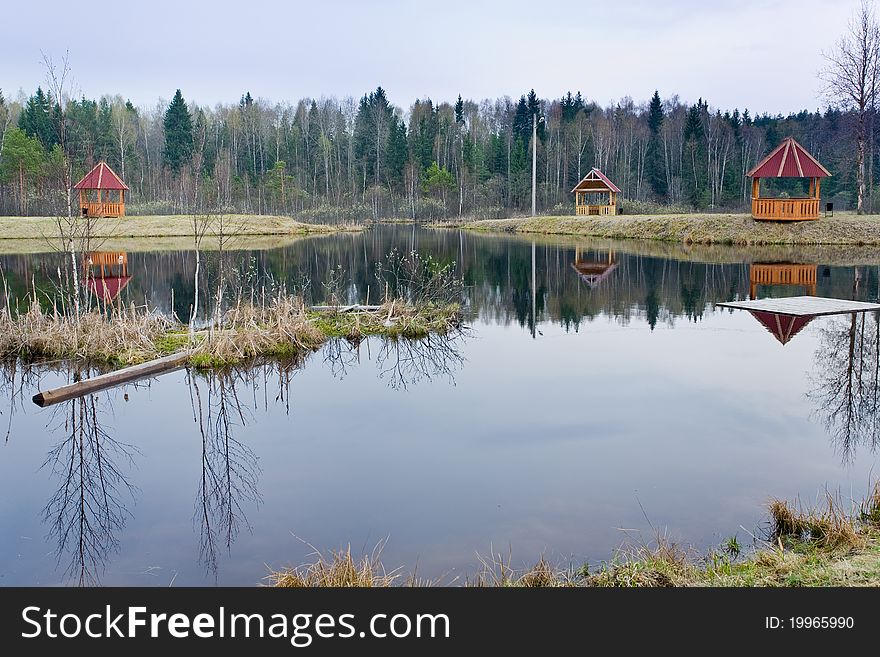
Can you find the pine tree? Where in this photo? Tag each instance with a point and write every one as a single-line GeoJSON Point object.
{"type": "Point", "coordinates": [38, 119]}
{"type": "Point", "coordinates": [372, 124]}
{"type": "Point", "coordinates": [655, 162]}
{"type": "Point", "coordinates": [534, 107]}
{"type": "Point", "coordinates": [459, 111]}
{"type": "Point", "coordinates": [396, 153]}
{"type": "Point", "coordinates": [178, 134]}
{"type": "Point", "coordinates": [694, 169]}
{"type": "Point", "coordinates": [522, 121]}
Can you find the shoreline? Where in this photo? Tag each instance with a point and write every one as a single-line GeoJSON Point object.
{"type": "Point", "coordinates": [45, 229]}
{"type": "Point", "coordinates": [705, 229]}
{"type": "Point", "coordinates": [805, 548]}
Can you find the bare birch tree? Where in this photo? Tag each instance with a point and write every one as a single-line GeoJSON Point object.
{"type": "Point", "coordinates": [850, 79]}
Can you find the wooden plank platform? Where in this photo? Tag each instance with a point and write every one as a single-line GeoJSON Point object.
{"type": "Point", "coordinates": [803, 306]}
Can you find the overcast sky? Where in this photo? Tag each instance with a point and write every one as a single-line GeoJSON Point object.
{"type": "Point", "coordinates": [760, 54]}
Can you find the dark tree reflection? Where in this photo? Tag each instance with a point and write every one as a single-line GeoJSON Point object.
{"type": "Point", "coordinates": [846, 382]}
{"type": "Point", "coordinates": [229, 468]}
{"type": "Point", "coordinates": [405, 362]}
{"type": "Point", "coordinates": [88, 510]}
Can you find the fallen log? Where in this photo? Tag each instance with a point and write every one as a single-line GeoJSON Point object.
{"type": "Point", "coordinates": [111, 379]}
{"type": "Point", "coordinates": [356, 308]}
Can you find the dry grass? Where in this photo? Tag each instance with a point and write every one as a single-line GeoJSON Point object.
{"type": "Point", "coordinates": [870, 509]}
{"type": "Point", "coordinates": [736, 229]}
{"type": "Point", "coordinates": [282, 328]}
{"type": "Point", "coordinates": [665, 563]}
{"type": "Point", "coordinates": [124, 336]}
{"type": "Point", "coordinates": [46, 228]}
{"type": "Point", "coordinates": [829, 528]}
{"type": "Point", "coordinates": [338, 569]}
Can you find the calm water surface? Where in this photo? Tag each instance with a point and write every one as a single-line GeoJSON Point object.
{"type": "Point", "coordinates": [598, 397]}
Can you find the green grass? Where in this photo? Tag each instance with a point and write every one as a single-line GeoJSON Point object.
{"type": "Point", "coordinates": [732, 229]}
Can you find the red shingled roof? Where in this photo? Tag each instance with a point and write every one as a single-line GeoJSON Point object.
{"type": "Point", "coordinates": [789, 160]}
{"type": "Point", "coordinates": [597, 175]}
{"type": "Point", "coordinates": [101, 177]}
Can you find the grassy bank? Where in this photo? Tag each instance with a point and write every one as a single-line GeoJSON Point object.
{"type": "Point", "coordinates": [282, 328]}
{"type": "Point", "coordinates": [817, 547]}
{"type": "Point", "coordinates": [46, 228]}
{"type": "Point", "coordinates": [735, 229]}
{"type": "Point", "coordinates": [152, 244]}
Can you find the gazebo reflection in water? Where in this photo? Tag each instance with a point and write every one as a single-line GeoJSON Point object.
{"type": "Point", "coordinates": [593, 267]}
{"type": "Point", "coordinates": [105, 274]}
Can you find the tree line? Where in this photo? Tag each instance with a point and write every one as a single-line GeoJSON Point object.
{"type": "Point", "coordinates": [350, 159]}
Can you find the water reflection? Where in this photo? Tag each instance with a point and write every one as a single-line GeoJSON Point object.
{"type": "Point", "coordinates": [105, 274]}
{"type": "Point", "coordinates": [89, 509]}
{"type": "Point", "coordinates": [659, 282]}
{"type": "Point", "coordinates": [846, 382]}
{"type": "Point", "coordinates": [782, 327]}
{"type": "Point", "coordinates": [229, 468]}
{"type": "Point", "coordinates": [592, 267]}
{"type": "Point", "coordinates": [788, 274]}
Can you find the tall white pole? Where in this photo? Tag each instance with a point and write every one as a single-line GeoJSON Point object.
{"type": "Point", "coordinates": [534, 160]}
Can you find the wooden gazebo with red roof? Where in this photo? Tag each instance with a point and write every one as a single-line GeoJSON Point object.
{"type": "Point", "coordinates": [94, 193]}
{"type": "Point", "coordinates": [788, 160]}
{"type": "Point", "coordinates": [590, 194]}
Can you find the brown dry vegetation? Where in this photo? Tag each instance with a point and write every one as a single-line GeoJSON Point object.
{"type": "Point", "coordinates": [736, 229]}
{"type": "Point", "coordinates": [284, 327]}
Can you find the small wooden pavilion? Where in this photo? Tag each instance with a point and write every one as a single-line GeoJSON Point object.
{"type": "Point", "coordinates": [782, 273]}
{"type": "Point", "coordinates": [788, 160]}
{"type": "Point", "coordinates": [592, 268]}
{"type": "Point", "coordinates": [591, 192]}
{"type": "Point", "coordinates": [105, 273]}
{"type": "Point", "coordinates": [94, 193]}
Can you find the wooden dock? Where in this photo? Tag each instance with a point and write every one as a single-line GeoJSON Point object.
{"type": "Point", "coordinates": [803, 306]}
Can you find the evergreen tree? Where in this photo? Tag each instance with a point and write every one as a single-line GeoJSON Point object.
{"type": "Point", "coordinates": [459, 111]}
{"type": "Point", "coordinates": [105, 146]}
{"type": "Point", "coordinates": [178, 134]}
{"type": "Point", "coordinates": [423, 129]}
{"type": "Point", "coordinates": [655, 162]}
{"type": "Point", "coordinates": [38, 119]}
{"type": "Point", "coordinates": [522, 121]}
{"type": "Point", "coordinates": [534, 108]}
{"type": "Point", "coordinates": [374, 120]}
{"type": "Point", "coordinates": [396, 153]}
{"type": "Point", "coordinates": [694, 166]}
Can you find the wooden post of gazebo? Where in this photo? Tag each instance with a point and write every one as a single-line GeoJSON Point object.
{"type": "Point", "coordinates": [94, 193]}
{"type": "Point", "coordinates": [788, 160]}
{"type": "Point", "coordinates": [590, 194]}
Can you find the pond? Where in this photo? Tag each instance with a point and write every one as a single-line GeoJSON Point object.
{"type": "Point", "coordinates": [597, 397]}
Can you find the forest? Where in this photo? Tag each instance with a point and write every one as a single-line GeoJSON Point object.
{"type": "Point", "coordinates": [350, 160]}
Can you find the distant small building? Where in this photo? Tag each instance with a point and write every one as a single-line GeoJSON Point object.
{"type": "Point", "coordinates": [105, 274]}
{"type": "Point", "coordinates": [95, 193]}
{"type": "Point", "coordinates": [788, 160]}
{"type": "Point", "coordinates": [595, 194]}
